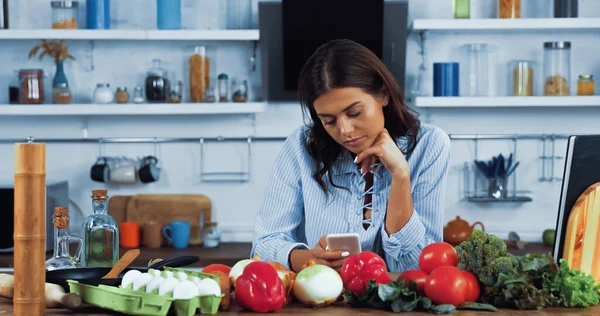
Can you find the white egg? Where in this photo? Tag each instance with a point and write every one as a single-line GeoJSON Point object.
{"type": "Point", "coordinates": [196, 279]}
{"type": "Point", "coordinates": [168, 286]}
{"type": "Point", "coordinates": [156, 273]}
{"type": "Point", "coordinates": [129, 277]}
{"type": "Point", "coordinates": [169, 274]}
{"type": "Point", "coordinates": [142, 280]}
{"type": "Point", "coordinates": [156, 282]}
{"type": "Point", "coordinates": [182, 276]}
{"type": "Point", "coordinates": [208, 286]}
{"type": "Point", "coordinates": [185, 290]}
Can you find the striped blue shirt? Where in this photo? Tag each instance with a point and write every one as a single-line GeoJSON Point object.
{"type": "Point", "coordinates": [296, 213]}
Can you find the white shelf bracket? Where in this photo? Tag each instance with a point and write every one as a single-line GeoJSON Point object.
{"type": "Point", "coordinates": [225, 176]}
{"type": "Point", "coordinates": [90, 55]}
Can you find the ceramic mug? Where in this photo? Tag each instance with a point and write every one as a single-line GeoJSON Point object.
{"type": "Point", "coordinates": [177, 233]}
{"type": "Point", "coordinates": [124, 172]}
{"type": "Point", "coordinates": [149, 172]}
{"type": "Point", "coordinates": [152, 234]}
{"type": "Point", "coordinates": [100, 171]}
{"type": "Point", "coordinates": [129, 235]}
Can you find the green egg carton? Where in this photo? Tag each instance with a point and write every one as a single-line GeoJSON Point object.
{"type": "Point", "coordinates": [205, 304]}
{"type": "Point", "coordinates": [122, 300]}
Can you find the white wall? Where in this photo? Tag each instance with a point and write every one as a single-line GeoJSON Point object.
{"type": "Point", "coordinates": [235, 204]}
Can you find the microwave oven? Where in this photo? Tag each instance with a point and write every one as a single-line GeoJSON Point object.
{"type": "Point", "coordinates": [57, 194]}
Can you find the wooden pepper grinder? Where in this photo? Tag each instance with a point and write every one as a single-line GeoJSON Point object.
{"type": "Point", "coordinates": [29, 229]}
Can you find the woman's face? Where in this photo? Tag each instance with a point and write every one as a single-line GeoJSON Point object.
{"type": "Point", "coordinates": [351, 116]}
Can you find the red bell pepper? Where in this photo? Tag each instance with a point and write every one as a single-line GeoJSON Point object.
{"type": "Point", "coordinates": [259, 288]}
{"type": "Point", "coordinates": [359, 269]}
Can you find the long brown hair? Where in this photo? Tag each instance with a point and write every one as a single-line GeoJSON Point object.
{"type": "Point", "coordinates": [342, 64]}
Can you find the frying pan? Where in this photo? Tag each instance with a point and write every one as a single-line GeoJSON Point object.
{"type": "Point", "coordinates": [93, 276]}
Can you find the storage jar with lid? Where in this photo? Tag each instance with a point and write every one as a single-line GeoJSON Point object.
{"type": "Point", "coordinates": [521, 74]}
{"type": "Point", "coordinates": [65, 14]}
{"type": "Point", "coordinates": [199, 67]}
{"type": "Point", "coordinates": [557, 68]}
{"type": "Point", "coordinates": [462, 9]}
{"type": "Point", "coordinates": [157, 83]}
{"type": "Point", "coordinates": [31, 86]}
{"type": "Point", "coordinates": [585, 85]}
{"type": "Point", "coordinates": [211, 236]}
{"type": "Point", "coordinates": [138, 97]}
{"type": "Point", "coordinates": [509, 9]}
{"type": "Point", "coordinates": [223, 87]}
{"type": "Point", "coordinates": [168, 14]}
{"type": "Point", "coordinates": [176, 95]}
{"type": "Point", "coordinates": [103, 94]}
{"type": "Point", "coordinates": [62, 94]}
{"type": "Point", "coordinates": [122, 96]}
{"type": "Point", "coordinates": [475, 77]}
{"type": "Point", "coordinates": [239, 90]}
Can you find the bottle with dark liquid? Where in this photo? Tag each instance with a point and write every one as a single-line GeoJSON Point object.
{"type": "Point", "coordinates": [157, 84]}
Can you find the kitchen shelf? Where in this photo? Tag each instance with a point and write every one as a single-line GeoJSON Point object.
{"type": "Point", "coordinates": [132, 109]}
{"type": "Point", "coordinates": [485, 199]}
{"type": "Point", "coordinates": [171, 35]}
{"type": "Point", "coordinates": [476, 25]}
{"type": "Point", "coordinates": [534, 101]}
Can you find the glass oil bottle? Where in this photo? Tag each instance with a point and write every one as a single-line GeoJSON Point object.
{"type": "Point", "coordinates": [62, 258]}
{"type": "Point", "coordinates": [101, 234]}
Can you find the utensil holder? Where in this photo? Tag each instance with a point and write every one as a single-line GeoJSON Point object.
{"type": "Point", "coordinates": [497, 188]}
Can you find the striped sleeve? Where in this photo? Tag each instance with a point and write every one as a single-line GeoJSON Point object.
{"type": "Point", "coordinates": [425, 225]}
{"type": "Point", "coordinates": [278, 228]}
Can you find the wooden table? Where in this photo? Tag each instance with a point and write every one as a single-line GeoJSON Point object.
{"type": "Point", "coordinates": [6, 308]}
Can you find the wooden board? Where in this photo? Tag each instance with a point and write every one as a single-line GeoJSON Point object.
{"type": "Point", "coordinates": [165, 208]}
{"type": "Point", "coordinates": [117, 207]}
{"type": "Point", "coordinates": [582, 238]}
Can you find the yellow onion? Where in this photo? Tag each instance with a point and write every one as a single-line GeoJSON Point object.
{"type": "Point", "coordinates": [238, 269]}
{"type": "Point", "coordinates": [317, 285]}
{"type": "Point", "coordinates": [287, 278]}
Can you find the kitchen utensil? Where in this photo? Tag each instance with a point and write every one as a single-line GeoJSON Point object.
{"type": "Point", "coordinates": [458, 230]}
{"type": "Point", "coordinates": [165, 208]}
{"type": "Point", "coordinates": [512, 169]}
{"type": "Point", "coordinates": [581, 245]}
{"type": "Point", "coordinates": [93, 276]}
{"type": "Point", "coordinates": [123, 263]}
{"type": "Point", "coordinates": [514, 237]}
{"type": "Point", "coordinates": [55, 294]}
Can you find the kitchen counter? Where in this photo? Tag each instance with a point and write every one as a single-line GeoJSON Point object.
{"type": "Point", "coordinates": [228, 254]}
{"type": "Point", "coordinates": [297, 309]}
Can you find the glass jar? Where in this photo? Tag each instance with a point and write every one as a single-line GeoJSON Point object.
{"type": "Point", "coordinates": [157, 83]}
{"type": "Point", "coordinates": [521, 73]}
{"type": "Point", "coordinates": [462, 9]}
{"type": "Point", "coordinates": [122, 96]}
{"type": "Point", "coordinates": [103, 94]}
{"type": "Point", "coordinates": [62, 94]}
{"type": "Point", "coordinates": [557, 68]}
{"type": "Point", "coordinates": [509, 9]}
{"type": "Point", "coordinates": [585, 85]}
{"type": "Point", "coordinates": [239, 14]}
{"type": "Point", "coordinates": [211, 236]}
{"type": "Point", "coordinates": [168, 14]}
{"type": "Point", "coordinates": [475, 77]}
{"type": "Point", "coordinates": [239, 90]}
{"type": "Point", "coordinates": [138, 97]}
{"type": "Point", "coordinates": [210, 95]}
{"type": "Point", "coordinates": [31, 86]}
{"type": "Point", "coordinates": [97, 14]}
{"type": "Point", "coordinates": [65, 14]}
{"type": "Point", "coordinates": [199, 65]}
{"type": "Point", "coordinates": [62, 258]}
{"type": "Point", "coordinates": [176, 92]}
{"type": "Point", "coordinates": [223, 86]}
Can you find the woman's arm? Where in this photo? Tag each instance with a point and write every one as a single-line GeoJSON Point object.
{"type": "Point", "coordinates": [416, 220]}
{"type": "Point", "coordinates": [277, 229]}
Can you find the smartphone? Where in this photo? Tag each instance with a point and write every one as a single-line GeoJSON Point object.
{"type": "Point", "coordinates": [347, 242]}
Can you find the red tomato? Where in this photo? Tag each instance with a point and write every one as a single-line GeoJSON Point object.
{"type": "Point", "coordinates": [438, 254]}
{"type": "Point", "coordinates": [446, 285]}
{"type": "Point", "coordinates": [217, 267]}
{"type": "Point", "coordinates": [417, 276]}
{"type": "Point", "coordinates": [473, 288]}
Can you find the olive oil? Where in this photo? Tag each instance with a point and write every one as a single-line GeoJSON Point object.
{"type": "Point", "coordinates": [101, 234]}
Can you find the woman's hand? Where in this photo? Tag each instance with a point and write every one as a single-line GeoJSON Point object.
{"type": "Point", "coordinates": [385, 149]}
{"type": "Point", "coordinates": [320, 254]}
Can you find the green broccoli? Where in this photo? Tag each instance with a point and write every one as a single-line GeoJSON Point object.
{"type": "Point", "coordinates": [506, 265]}
{"type": "Point", "coordinates": [477, 253]}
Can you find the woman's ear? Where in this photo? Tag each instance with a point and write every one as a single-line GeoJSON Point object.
{"type": "Point", "coordinates": [386, 97]}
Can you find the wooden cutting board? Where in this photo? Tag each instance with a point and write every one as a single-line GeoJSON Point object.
{"type": "Point", "coordinates": [165, 208]}
{"type": "Point", "coordinates": [117, 207]}
{"type": "Point", "coordinates": [582, 240]}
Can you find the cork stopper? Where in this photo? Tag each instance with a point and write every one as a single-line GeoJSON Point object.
{"type": "Point", "coordinates": [61, 217]}
{"type": "Point", "coordinates": [99, 195]}
{"type": "Point", "coordinates": [210, 224]}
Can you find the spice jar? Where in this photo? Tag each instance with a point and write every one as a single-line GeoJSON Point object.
{"type": "Point", "coordinates": [509, 9]}
{"type": "Point", "coordinates": [210, 95]}
{"type": "Point", "coordinates": [157, 83]}
{"type": "Point", "coordinates": [62, 94]}
{"type": "Point", "coordinates": [31, 86]}
{"type": "Point", "coordinates": [176, 92]}
{"type": "Point", "coordinates": [211, 236]}
{"type": "Point", "coordinates": [223, 93]}
{"type": "Point", "coordinates": [65, 14]}
{"type": "Point", "coordinates": [122, 96]}
{"type": "Point", "coordinates": [521, 73]}
{"type": "Point", "coordinates": [557, 68]}
{"type": "Point", "coordinates": [138, 97]}
{"type": "Point", "coordinates": [103, 94]}
{"type": "Point", "coordinates": [199, 65]}
{"type": "Point", "coordinates": [462, 9]}
{"type": "Point", "coordinates": [585, 85]}
{"type": "Point", "coordinates": [240, 90]}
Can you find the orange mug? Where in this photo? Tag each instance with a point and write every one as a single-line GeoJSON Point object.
{"type": "Point", "coordinates": [129, 235]}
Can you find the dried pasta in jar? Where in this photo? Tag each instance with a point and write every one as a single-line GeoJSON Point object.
{"type": "Point", "coordinates": [199, 66]}
{"type": "Point", "coordinates": [556, 85]}
{"type": "Point", "coordinates": [509, 9]}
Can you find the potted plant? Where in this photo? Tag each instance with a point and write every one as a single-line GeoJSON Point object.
{"type": "Point", "coordinates": [60, 52]}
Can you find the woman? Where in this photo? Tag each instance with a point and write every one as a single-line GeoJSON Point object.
{"type": "Point", "coordinates": [365, 165]}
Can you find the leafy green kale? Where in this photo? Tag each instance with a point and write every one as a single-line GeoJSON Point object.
{"type": "Point", "coordinates": [573, 287]}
